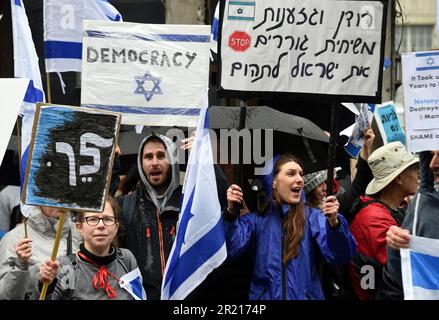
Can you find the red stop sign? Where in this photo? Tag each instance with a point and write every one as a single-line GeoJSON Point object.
{"type": "Point", "coordinates": [239, 41]}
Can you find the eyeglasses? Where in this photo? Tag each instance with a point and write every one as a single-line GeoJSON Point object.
{"type": "Point", "coordinates": [94, 221]}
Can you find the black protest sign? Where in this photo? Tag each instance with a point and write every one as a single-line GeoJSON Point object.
{"type": "Point", "coordinates": [331, 50]}
{"type": "Point", "coordinates": [71, 156]}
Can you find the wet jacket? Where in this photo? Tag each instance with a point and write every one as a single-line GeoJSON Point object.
{"type": "Point", "coordinates": [17, 280]}
{"type": "Point", "coordinates": [427, 226]}
{"type": "Point", "coordinates": [150, 225]}
{"type": "Point", "coordinates": [369, 228]}
{"type": "Point", "coordinates": [299, 278]}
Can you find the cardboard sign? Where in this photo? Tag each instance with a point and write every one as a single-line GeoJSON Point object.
{"type": "Point", "coordinates": [71, 156]}
{"type": "Point", "coordinates": [388, 123]}
{"type": "Point", "coordinates": [12, 93]}
{"type": "Point", "coordinates": [154, 74]}
{"type": "Point", "coordinates": [421, 100]}
{"type": "Point", "coordinates": [329, 48]}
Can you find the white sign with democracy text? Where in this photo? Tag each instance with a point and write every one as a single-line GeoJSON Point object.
{"type": "Point", "coordinates": [154, 74]}
{"type": "Point", "coordinates": [302, 46]}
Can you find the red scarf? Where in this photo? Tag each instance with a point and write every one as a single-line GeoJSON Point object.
{"type": "Point", "coordinates": [100, 278]}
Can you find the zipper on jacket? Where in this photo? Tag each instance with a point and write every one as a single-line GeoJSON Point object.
{"type": "Point", "coordinates": [172, 233]}
{"type": "Point", "coordinates": [284, 282]}
{"type": "Point", "coordinates": [162, 252]}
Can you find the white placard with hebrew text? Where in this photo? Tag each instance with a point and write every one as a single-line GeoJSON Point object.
{"type": "Point", "coordinates": [302, 46]}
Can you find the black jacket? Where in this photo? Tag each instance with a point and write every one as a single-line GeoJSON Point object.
{"type": "Point", "coordinates": [149, 235]}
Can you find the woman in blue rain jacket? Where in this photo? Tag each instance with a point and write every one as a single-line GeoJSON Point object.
{"type": "Point", "coordinates": [288, 237]}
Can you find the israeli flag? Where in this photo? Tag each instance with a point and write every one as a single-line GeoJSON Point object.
{"type": "Point", "coordinates": [132, 282]}
{"type": "Point", "coordinates": [63, 30]}
{"type": "Point", "coordinates": [25, 66]}
{"type": "Point", "coordinates": [200, 243]}
{"type": "Point", "coordinates": [214, 33]}
{"type": "Point", "coordinates": [241, 10]}
{"type": "Point", "coordinates": [420, 269]}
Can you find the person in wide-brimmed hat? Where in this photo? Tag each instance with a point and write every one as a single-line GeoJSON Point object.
{"type": "Point", "coordinates": [396, 176]}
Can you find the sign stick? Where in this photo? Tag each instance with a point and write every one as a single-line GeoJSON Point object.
{"type": "Point", "coordinates": [49, 88]}
{"type": "Point", "coordinates": [332, 146]}
{"type": "Point", "coordinates": [54, 251]}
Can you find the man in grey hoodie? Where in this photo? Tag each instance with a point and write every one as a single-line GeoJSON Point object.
{"type": "Point", "coordinates": [150, 213]}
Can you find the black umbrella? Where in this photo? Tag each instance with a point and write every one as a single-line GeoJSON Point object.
{"type": "Point", "coordinates": [291, 133]}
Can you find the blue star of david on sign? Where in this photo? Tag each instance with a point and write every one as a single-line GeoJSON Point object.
{"type": "Point", "coordinates": [155, 89]}
{"type": "Point", "coordinates": [430, 61]}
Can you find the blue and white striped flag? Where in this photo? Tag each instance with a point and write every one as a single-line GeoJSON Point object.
{"type": "Point", "coordinates": [132, 282]}
{"type": "Point", "coordinates": [25, 66]}
{"type": "Point", "coordinates": [420, 269]}
{"type": "Point", "coordinates": [214, 33]}
{"type": "Point", "coordinates": [199, 246]}
{"type": "Point", "coordinates": [63, 30]}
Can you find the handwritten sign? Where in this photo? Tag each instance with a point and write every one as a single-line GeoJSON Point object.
{"type": "Point", "coordinates": [362, 122]}
{"type": "Point", "coordinates": [388, 123]}
{"type": "Point", "coordinates": [154, 74]}
{"type": "Point", "coordinates": [330, 48]}
{"type": "Point", "coordinates": [421, 100]}
{"type": "Point", "coordinates": [71, 157]}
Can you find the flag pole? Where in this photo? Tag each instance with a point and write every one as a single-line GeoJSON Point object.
{"type": "Point", "coordinates": [332, 146]}
{"type": "Point", "coordinates": [242, 115]}
{"type": "Point", "coordinates": [54, 250]}
{"type": "Point", "coordinates": [49, 88]}
{"type": "Point", "coordinates": [18, 126]}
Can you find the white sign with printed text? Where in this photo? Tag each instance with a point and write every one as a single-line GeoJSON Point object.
{"type": "Point", "coordinates": [421, 99]}
{"type": "Point", "coordinates": [154, 74]}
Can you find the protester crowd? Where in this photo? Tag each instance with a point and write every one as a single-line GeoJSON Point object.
{"type": "Point", "coordinates": [300, 242]}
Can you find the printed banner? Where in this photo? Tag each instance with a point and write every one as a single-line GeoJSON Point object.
{"type": "Point", "coordinates": [154, 74]}
{"type": "Point", "coordinates": [420, 79]}
{"type": "Point", "coordinates": [303, 46]}
{"type": "Point", "coordinates": [388, 123]}
{"type": "Point", "coordinates": [70, 158]}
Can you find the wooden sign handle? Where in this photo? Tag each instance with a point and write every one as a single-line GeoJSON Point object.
{"type": "Point", "coordinates": [54, 251]}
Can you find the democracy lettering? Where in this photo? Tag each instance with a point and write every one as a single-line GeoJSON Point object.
{"type": "Point", "coordinates": [153, 58]}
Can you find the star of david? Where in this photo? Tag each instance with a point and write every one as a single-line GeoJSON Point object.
{"type": "Point", "coordinates": [240, 11]}
{"type": "Point", "coordinates": [430, 61]}
{"type": "Point", "coordinates": [156, 85]}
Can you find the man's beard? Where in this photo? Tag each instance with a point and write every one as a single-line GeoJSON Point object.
{"type": "Point", "coordinates": [436, 179]}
